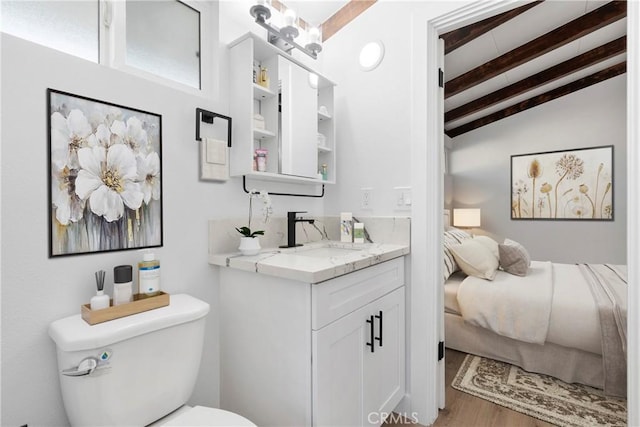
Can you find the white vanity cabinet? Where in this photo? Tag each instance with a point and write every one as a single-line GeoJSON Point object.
{"type": "Point", "coordinates": [358, 372]}
{"type": "Point", "coordinates": [296, 105]}
{"type": "Point", "coordinates": [324, 354]}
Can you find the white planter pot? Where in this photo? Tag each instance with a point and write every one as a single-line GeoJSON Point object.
{"type": "Point", "coordinates": [249, 245]}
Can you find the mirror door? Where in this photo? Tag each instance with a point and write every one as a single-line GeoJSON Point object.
{"type": "Point", "coordinates": [299, 121]}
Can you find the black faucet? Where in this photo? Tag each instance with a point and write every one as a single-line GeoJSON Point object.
{"type": "Point", "coordinates": [291, 228]}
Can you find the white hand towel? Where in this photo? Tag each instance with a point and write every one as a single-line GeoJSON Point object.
{"type": "Point", "coordinates": [214, 160]}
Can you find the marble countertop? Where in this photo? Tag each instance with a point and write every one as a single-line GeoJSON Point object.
{"type": "Point", "coordinates": [293, 263]}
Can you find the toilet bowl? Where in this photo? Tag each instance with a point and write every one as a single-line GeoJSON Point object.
{"type": "Point", "coordinates": [202, 416]}
{"type": "Point", "coordinates": [136, 370]}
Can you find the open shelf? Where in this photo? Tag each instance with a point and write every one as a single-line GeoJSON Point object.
{"type": "Point", "coordinates": [263, 134]}
{"type": "Point", "coordinates": [260, 92]}
{"type": "Point", "coordinates": [322, 116]}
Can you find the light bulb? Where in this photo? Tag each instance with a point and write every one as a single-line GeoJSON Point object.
{"type": "Point", "coordinates": [289, 17]}
{"type": "Point", "coordinates": [314, 35]}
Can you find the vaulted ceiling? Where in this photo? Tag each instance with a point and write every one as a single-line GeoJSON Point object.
{"type": "Point", "coordinates": [532, 54]}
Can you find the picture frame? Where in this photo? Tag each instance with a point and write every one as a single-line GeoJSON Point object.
{"type": "Point", "coordinates": [105, 176]}
{"type": "Point", "coordinates": [574, 185]}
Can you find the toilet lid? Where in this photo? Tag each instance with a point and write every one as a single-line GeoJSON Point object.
{"type": "Point", "coordinates": [204, 416]}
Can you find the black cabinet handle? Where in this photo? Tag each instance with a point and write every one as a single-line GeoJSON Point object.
{"type": "Point", "coordinates": [379, 317]}
{"type": "Point", "coordinates": [371, 334]}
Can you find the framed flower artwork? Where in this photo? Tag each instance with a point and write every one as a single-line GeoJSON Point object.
{"type": "Point", "coordinates": [563, 185]}
{"type": "Point", "coordinates": [105, 176]}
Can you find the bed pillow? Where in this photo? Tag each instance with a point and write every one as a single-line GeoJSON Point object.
{"type": "Point", "coordinates": [453, 236]}
{"type": "Point", "coordinates": [491, 244]}
{"type": "Point", "coordinates": [475, 259]}
{"type": "Point", "coordinates": [514, 258]}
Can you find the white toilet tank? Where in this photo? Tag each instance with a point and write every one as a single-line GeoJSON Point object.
{"type": "Point", "coordinates": [146, 364]}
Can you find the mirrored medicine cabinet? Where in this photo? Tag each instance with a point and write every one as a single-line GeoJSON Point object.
{"type": "Point", "coordinates": [283, 124]}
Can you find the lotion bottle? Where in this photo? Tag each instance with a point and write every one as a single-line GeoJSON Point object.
{"type": "Point", "coordinates": [122, 284]}
{"type": "Point", "coordinates": [149, 274]}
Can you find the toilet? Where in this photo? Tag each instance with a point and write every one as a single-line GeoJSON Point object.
{"type": "Point", "coordinates": [137, 370]}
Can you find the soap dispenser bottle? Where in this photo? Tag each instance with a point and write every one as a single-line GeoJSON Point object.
{"type": "Point", "coordinates": [149, 274]}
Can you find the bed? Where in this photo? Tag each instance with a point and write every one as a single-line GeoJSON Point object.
{"type": "Point", "coordinates": [556, 319]}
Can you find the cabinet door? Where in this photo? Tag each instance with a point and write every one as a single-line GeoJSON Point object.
{"type": "Point", "coordinates": [299, 131]}
{"type": "Point", "coordinates": [338, 371]}
{"type": "Point", "coordinates": [384, 382]}
{"type": "Point", "coordinates": [352, 385]}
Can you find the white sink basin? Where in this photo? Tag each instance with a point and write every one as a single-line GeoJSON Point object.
{"type": "Point", "coordinates": [327, 252]}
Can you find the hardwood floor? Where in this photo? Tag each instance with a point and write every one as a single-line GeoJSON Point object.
{"type": "Point", "coordinates": [465, 410]}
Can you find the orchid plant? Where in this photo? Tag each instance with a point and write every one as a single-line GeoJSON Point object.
{"type": "Point", "coordinates": [266, 212]}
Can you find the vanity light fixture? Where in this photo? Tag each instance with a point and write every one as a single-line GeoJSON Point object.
{"type": "Point", "coordinates": [371, 55]}
{"type": "Point", "coordinates": [284, 38]}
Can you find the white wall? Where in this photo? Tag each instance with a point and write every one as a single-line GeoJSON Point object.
{"type": "Point", "coordinates": [37, 290]}
{"type": "Point", "coordinates": [382, 135]}
{"type": "Point", "coordinates": [480, 165]}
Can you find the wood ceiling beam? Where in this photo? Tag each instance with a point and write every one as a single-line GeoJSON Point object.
{"type": "Point", "coordinates": [461, 36]}
{"type": "Point", "coordinates": [342, 17]}
{"type": "Point", "coordinates": [560, 36]}
{"type": "Point", "coordinates": [582, 83]}
{"type": "Point", "coordinates": [577, 63]}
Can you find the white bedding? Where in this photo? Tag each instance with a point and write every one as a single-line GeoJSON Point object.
{"type": "Point", "coordinates": [573, 319]}
{"type": "Point", "coordinates": [451, 292]}
{"type": "Point", "coordinates": [511, 306]}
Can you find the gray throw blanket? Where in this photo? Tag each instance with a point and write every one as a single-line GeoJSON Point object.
{"type": "Point", "coordinates": [608, 285]}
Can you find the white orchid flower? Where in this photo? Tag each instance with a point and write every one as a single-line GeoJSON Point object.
{"type": "Point", "coordinates": [107, 180]}
{"type": "Point", "coordinates": [68, 206]}
{"type": "Point", "coordinates": [131, 134]}
{"type": "Point", "coordinates": [149, 175]}
{"type": "Point", "coordinates": [68, 135]}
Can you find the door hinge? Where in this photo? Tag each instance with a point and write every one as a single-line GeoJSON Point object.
{"type": "Point", "coordinates": [440, 78]}
{"type": "Point", "coordinates": [440, 350]}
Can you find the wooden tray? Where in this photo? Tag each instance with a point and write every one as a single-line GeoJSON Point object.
{"type": "Point", "coordinates": [140, 303]}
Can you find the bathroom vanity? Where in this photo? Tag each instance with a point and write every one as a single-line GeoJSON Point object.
{"type": "Point", "coordinates": [313, 335]}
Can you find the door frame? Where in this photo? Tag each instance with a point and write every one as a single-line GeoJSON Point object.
{"type": "Point", "coordinates": [427, 303]}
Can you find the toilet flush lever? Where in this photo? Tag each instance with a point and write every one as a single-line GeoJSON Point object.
{"type": "Point", "coordinates": [85, 367]}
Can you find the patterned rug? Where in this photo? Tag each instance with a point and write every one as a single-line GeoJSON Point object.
{"type": "Point", "coordinates": [539, 396]}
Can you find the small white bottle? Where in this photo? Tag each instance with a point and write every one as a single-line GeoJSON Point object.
{"type": "Point", "coordinates": [122, 284]}
{"type": "Point", "coordinates": [358, 232]}
{"type": "Point", "coordinates": [149, 274]}
{"type": "Point", "coordinates": [346, 227]}
{"type": "Point", "coordinates": [100, 300]}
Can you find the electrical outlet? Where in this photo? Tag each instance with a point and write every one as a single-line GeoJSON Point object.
{"type": "Point", "coordinates": [365, 200]}
{"type": "Point", "coordinates": [402, 197]}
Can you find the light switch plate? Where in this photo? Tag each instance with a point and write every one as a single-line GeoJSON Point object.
{"type": "Point", "coordinates": [402, 198]}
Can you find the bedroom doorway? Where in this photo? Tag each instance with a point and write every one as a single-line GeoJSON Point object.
{"type": "Point", "coordinates": [431, 176]}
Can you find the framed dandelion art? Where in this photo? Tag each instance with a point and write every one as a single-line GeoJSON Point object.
{"type": "Point", "coordinates": [563, 185]}
{"type": "Point", "coordinates": [105, 176]}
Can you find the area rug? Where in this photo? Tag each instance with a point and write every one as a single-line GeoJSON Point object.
{"type": "Point", "coordinates": [537, 395]}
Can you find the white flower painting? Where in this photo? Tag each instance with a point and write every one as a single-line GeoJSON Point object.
{"type": "Point", "coordinates": [105, 176]}
{"type": "Point", "coordinates": [573, 185]}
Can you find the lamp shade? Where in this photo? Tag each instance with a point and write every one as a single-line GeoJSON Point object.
{"type": "Point", "coordinates": [466, 217]}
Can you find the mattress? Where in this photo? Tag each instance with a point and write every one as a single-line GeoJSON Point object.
{"type": "Point", "coordinates": [451, 292]}
{"type": "Point", "coordinates": [574, 320]}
